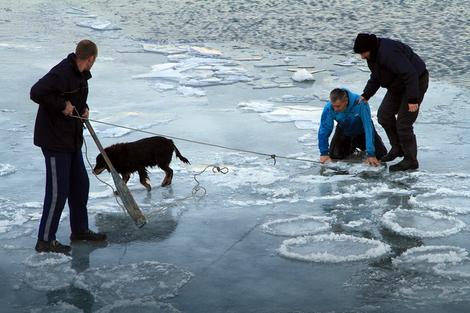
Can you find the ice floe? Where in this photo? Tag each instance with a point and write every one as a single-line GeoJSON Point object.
{"type": "Point", "coordinates": [165, 49]}
{"type": "Point", "coordinates": [48, 271]}
{"type": "Point", "coordinates": [332, 248]}
{"type": "Point", "coordinates": [256, 106]}
{"type": "Point", "coordinates": [98, 25]}
{"type": "Point", "coordinates": [304, 117]}
{"type": "Point", "coordinates": [415, 223]}
{"type": "Point", "coordinates": [297, 226]}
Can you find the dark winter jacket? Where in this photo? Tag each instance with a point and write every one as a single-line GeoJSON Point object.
{"type": "Point", "coordinates": [394, 66]}
{"type": "Point", "coordinates": [53, 130]}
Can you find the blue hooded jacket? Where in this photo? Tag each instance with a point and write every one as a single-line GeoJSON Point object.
{"type": "Point", "coordinates": [353, 121]}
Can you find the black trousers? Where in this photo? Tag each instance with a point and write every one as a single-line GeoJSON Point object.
{"type": "Point", "coordinates": [342, 146]}
{"type": "Point", "coordinates": [398, 122]}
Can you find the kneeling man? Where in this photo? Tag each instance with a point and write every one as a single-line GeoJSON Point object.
{"type": "Point", "coordinates": [354, 129]}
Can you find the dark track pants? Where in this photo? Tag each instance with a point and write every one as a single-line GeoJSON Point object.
{"type": "Point", "coordinates": [342, 146]}
{"type": "Point", "coordinates": [399, 129]}
{"type": "Point", "coordinates": [66, 179]}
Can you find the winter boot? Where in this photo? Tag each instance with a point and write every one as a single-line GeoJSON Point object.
{"type": "Point", "coordinates": [52, 246]}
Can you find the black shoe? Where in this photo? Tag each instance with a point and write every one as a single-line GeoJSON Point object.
{"type": "Point", "coordinates": [52, 246]}
{"type": "Point", "coordinates": [88, 235]}
{"type": "Point", "coordinates": [392, 155]}
{"type": "Point", "coordinates": [404, 165]}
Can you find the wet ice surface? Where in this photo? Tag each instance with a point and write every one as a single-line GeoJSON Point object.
{"type": "Point", "coordinates": [264, 237]}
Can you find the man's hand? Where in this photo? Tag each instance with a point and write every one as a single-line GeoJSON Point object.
{"type": "Point", "coordinates": [86, 114]}
{"type": "Point", "coordinates": [413, 107]}
{"type": "Point", "coordinates": [325, 159]}
{"type": "Point", "coordinates": [69, 108]}
{"type": "Point", "coordinates": [373, 161]}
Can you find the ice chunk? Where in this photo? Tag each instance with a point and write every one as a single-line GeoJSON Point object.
{"type": "Point", "coordinates": [149, 279]}
{"type": "Point", "coordinates": [416, 258]}
{"type": "Point", "coordinates": [302, 75]}
{"type": "Point", "coordinates": [208, 52]}
{"type": "Point", "coordinates": [190, 91]}
{"type": "Point", "coordinates": [98, 25]}
{"type": "Point", "coordinates": [164, 49]}
{"type": "Point", "coordinates": [297, 226]}
{"type": "Point", "coordinates": [163, 86]}
{"type": "Point", "coordinates": [256, 106]}
{"type": "Point", "coordinates": [138, 306]}
{"type": "Point", "coordinates": [332, 248]}
{"type": "Point", "coordinates": [6, 169]}
{"type": "Point", "coordinates": [416, 223]}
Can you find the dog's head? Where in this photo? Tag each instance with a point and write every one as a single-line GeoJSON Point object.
{"type": "Point", "coordinates": [100, 165]}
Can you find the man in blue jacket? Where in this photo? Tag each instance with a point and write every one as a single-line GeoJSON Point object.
{"type": "Point", "coordinates": [60, 94]}
{"type": "Point", "coordinates": [354, 129]}
{"type": "Point", "coordinates": [395, 66]}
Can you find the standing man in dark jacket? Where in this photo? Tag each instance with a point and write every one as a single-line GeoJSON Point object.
{"type": "Point", "coordinates": [60, 94]}
{"type": "Point", "coordinates": [395, 66]}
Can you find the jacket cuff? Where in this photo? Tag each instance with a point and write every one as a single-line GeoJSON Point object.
{"type": "Point", "coordinates": [365, 96]}
{"type": "Point", "coordinates": [324, 154]}
{"type": "Point", "coordinates": [413, 100]}
{"type": "Point", "coordinates": [370, 155]}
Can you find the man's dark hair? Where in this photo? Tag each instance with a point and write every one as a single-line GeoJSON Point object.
{"type": "Point", "coordinates": [338, 94]}
{"type": "Point", "coordinates": [85, 49]}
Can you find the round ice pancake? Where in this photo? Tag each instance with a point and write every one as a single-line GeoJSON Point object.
{"type": "Point", "coordinates": [418, 257]}
{"type": "Point", "coordinates": [454, 269]}
{"type": "Point", "coordinates": [332, 248]}
{"type": "Point", "coordinates": [415, 223]}
{"type": "Point", "coordinates": [297, 226]}
{"type": "Point", "coordinates": [48, 271]}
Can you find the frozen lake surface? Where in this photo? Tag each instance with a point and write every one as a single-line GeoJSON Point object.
{"type": "Point", "coordinates": [289, 237]}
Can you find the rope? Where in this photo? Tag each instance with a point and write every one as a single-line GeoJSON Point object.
{"type": "Point", "coordinates": [270, 156]}
{"type": "Point", "coordinates": [215, 169]}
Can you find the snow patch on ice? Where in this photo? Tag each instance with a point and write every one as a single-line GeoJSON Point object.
{"type": "Point", "coordinates": [332, 248]}
{"type": "Point", "coordinates": [297, 226]}
{"type": "Point", "coordinates": [416, 223]}
{"type": "Point", "coordinates": [6, 169]}
{"type": "Point", "coordinates": [302, 75]}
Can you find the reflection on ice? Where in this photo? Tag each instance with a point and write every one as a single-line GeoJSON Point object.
{"type": "Point", "coordinates": [332, 248]}
{"type": "Point", "coordinates": [120, 229]}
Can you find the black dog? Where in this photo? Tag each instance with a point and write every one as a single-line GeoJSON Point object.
{"type": "Point", "coordinates": [136, 156]}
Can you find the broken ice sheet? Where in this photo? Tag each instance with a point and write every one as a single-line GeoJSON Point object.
{"type": "Point", "coordinates": [150, 279]}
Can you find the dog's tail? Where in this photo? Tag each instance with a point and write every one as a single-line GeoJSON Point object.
{"type": "Point", "coordinates": [178, 154]}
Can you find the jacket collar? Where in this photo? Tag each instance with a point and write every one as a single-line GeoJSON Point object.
{"type": "Point", "coordinates": [72, 58]}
